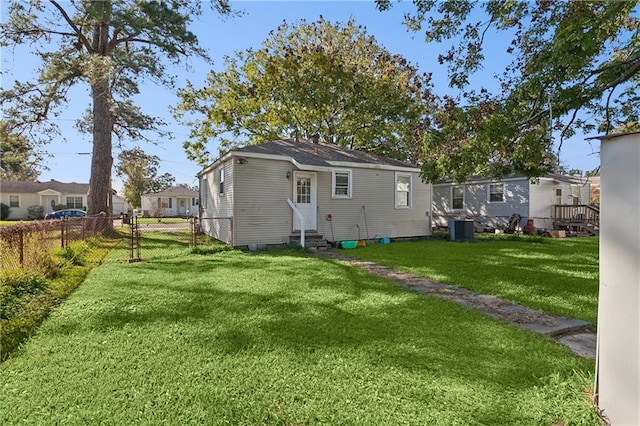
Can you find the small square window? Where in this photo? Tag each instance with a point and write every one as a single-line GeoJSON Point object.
{"type": "Point", "coordinates": [496, 193]}
{"type": "Point", "coordinates": [14, 201]}
{"type": "Point", "coordinates": [341, 184]}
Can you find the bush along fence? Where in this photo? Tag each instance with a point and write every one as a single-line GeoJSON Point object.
{"type": "Point", "coordinates": [27, 244]}
{"type": "Point", "coordinates": [41, 263]}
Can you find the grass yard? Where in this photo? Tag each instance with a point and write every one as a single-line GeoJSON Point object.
{"type": "Point", "coordinates": [558, 276]}
{"type": "Point", "coordinates": [280, 338]}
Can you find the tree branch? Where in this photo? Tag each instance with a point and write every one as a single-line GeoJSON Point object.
{"type": "Point", "coordinates": [77, 31]}
{"type": "Point", "coordinates": [134, 39]}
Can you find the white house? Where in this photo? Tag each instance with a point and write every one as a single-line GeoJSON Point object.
{"type": "Point", "coordinates": [493, 202]}
{"type": "Point", "coordinates": [20, 195]}
{"type": "Point", "coordinates": [175, 201]}
{"type": "Point", "coordinates": [268, 194]}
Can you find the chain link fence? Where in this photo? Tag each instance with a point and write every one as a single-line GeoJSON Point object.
{"type": "Point", "coordinates": [28, 245]}
{"type": "Point", "coordinates": [156, 237]}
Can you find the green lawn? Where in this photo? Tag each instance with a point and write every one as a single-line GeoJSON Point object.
{"type": "Point", "coordinates": [280, 338]}
{"type": "Point", "coordinates": [559, 276]}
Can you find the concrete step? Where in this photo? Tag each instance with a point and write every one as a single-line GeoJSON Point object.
{"type": "Point", "coordinates": [310, 240]}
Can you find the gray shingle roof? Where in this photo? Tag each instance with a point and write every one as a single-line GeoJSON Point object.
{"type": "Point", "coordinates": [318, 154]}
{"type": "Point", "coordinates": [176, 191]}
{"type": "Point", "coordinates": [25, 187]}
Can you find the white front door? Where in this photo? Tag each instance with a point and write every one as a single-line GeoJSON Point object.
{"type": "Point", "coordinates": [182, 206]}
{"type": "Point", "coordinates": [304, 197]}
{"type": "Point", "coordinates": [48, 202]}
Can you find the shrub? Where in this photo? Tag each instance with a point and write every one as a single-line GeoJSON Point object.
{"type": "Point", "coordinates": [75, 253]}
{"type": "Point", "coordinates": [35, 212]}
{"type": "Point", "coordinates": [57, 207]}
{"type": "Point", "coordinates": [4, 211]}
{"type": "Point", "coordinates": [17, 287]}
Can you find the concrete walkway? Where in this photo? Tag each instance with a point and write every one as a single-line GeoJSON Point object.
{"type": "Point", "coordinates": [578, 335]}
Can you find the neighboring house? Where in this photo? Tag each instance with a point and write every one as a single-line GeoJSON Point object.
{"type": "Point", "coordinates": [175, 201]}
{"type": "Point", "coordinates": [20, 195]}
{"type": "Point", "coordinates": [248, 195]}
{"type": "Point", "coordinates": [594, 194]}
{"type": "Point", "coordinates": [120, 205]}
{"type": "Point", "coordinates": [494, 202]}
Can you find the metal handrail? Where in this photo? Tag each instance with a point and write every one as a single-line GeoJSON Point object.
{"type": "Point", "coordinates": [300, 217]}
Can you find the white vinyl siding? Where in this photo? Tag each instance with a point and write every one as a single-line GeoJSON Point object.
{"type": "Point", "coordinates": [371, 212]}
{"type": "Point", "coordinates": [261, 212]}
{"type": "Point", "coordinates": [403, 190]}
{"type": "Point", "coordinates": [341, 183]}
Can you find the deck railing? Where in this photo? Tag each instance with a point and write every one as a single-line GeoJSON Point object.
{"type": "Point", "coordinates": [579, 213]}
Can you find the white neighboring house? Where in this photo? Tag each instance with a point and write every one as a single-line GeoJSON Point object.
{"type": "Point", "coordinates": [249, 194]}
{"type": "Point", "coordinates": [120, 205]}
{"type": "Point", "coordinates": [547, 200]}
{"type": "Point", "coordinates": [20, 195]}
{"type": "Point", "coordinates": [175, 201]}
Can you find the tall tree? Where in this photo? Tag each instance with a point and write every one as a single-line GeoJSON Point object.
{"type": "Point", "coordinates": [570, 60]}
{"type": "Point", "coordinates": [111, 45]}
{"type": "Point", "coordinates": [333, 80]}
{"type": "Point", "coordinates": [18, 159]}
{"type": "Point", "coordinates": [140, 173]}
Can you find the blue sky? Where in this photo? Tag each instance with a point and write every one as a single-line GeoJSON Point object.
{"type": "Point", "coordinates": [223, 36]}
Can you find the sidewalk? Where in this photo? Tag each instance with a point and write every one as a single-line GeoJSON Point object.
{"type": "Point", "coordinates": [576, 334]}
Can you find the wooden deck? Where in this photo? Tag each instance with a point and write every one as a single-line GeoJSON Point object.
{"type": "Point", "coordinates": [582, 219]}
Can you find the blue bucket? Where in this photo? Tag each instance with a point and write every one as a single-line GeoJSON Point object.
{"type": "Point", "coordinates": [384, 240]}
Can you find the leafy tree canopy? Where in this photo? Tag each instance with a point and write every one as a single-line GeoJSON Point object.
{"type": "Point", "coordinates": [140, 173]}
{"type": "Point", "coordinates": [109, 45]}
{"type": "Point", "coordinates": [575, 65]}
{"type": "Point", "coordinates": [332, 80]}
{"type": "Point", "coordinates": [18, 159]}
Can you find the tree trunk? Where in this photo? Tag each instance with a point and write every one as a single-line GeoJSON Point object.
{"type": "Point", "coordinates": [101, 160]}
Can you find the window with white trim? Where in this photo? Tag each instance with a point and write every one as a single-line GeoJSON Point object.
{"type": "Point", "coordinates": [14, 201]}
{"type": "Point", "coordinates": [496, 192]}
{"type": "Point", "coordinates": [164, 203]}
{"type": "Point", "coordinates": [204, 191]}
{"type": "Point", "coordinates": [403, 190]}
{"type": "Point", "coordinates": [221, 180]}
{"type": "Point", "coordinates": [74, 202]}
{"type": "Point", "coordinates": [457, 197]}
{"type": "Point", "coordinates": [341, 184]}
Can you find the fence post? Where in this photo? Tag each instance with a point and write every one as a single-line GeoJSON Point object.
{"type": "Point", "coordinates": [61, 235]}
{"type": "Point", "coordinates": [22, 248]}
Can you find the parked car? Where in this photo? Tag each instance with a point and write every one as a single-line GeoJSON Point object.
{"type": "Point", "coordinates": [61, 214]}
